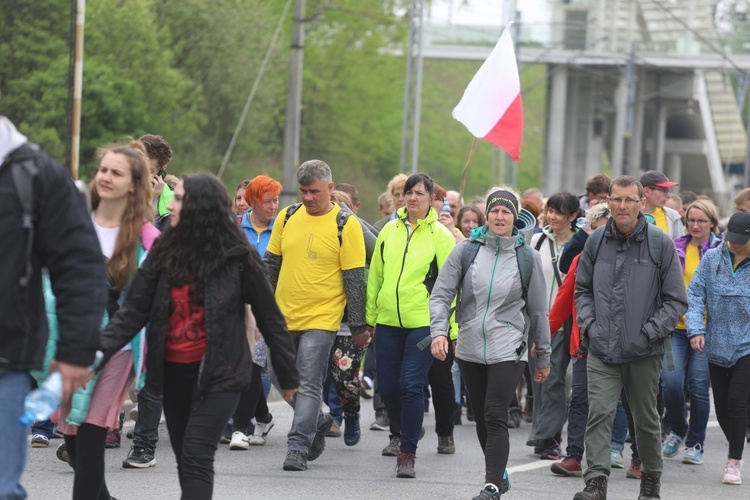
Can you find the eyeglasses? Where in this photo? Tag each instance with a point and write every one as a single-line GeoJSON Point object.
{"type": "Point", "coordinates": [628, 201]}
{"type": "Point", "coordinates": [700, 222]}
{"type": "Point", "coordinates": [663, 190]}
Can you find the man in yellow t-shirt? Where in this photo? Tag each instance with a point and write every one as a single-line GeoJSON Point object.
{"type": "Point", "coordinates": [656, 188]}
{"type": "Point", "coordinates": [316, 273]}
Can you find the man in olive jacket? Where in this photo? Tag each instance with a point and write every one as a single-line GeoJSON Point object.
{"type": "Point", "coordinates": [628, 301]}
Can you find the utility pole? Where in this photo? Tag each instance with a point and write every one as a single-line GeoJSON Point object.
{"type": "Point", "coordinates": [632, 78]}
{"type": "Point", "coordinates": [76, 89]}
{"type": "Point", "coordinates": [413, 87]}
{"type": "Point", "coordinates": [290, 160]}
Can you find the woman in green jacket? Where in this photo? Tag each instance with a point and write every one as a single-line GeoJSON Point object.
{"type": "Point", "coordinates": [409, 252]}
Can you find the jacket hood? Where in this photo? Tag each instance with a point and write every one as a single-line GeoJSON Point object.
{"type": "Point", "coordinates": [483, 235]}
{"type": "Point", "coordinates": [10, 138]}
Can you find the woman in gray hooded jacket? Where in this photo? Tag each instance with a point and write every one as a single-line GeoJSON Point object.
{"type": "Point", "coordinates": [490, 347]}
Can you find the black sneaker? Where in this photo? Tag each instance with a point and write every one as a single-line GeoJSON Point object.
{"type": "Point", "coordinates": [489, 492]}
{"type": "Point", "coordinates": [552, 450]}
{"type": "Point", "coordinates": [62, 454]}
{"type": "Point", "coordinates": [139, 458]}
{"type": "Point", "coordinates": [319, 441]}
{"type": "Point", "coordinates": [295, 460]}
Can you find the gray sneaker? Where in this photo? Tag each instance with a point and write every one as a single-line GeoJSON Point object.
{"type": "Point", "coordinates": [319, 441]}
{"type": "Point", "coordinates": [393, 448]}
{"type": "Point", "coordinates": [139, 458]}
{"type": "Point", "coordinates": [446, 445]}
{"type": "Point", "coordinates": [295, 460]}
{"type": "Point", "coordinates": [380, 423]}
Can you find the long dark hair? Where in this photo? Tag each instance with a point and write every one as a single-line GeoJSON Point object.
{"type": "Point", "coordinates": [197, 246]}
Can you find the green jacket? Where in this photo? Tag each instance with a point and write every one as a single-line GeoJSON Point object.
{"type": "Point", "coordinates": [403, 271]}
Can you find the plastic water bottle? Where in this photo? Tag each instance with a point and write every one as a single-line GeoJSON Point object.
{"type": "Point", "coordinates": [446, 209]}
{"type": "Point", "coordinates": [583, 223]}
{"type": "Point", "coordinates": [42, 402]}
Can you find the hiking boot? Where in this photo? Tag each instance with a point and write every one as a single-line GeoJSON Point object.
{"type": "Point", "coordinates": [405, 465]}
{"type": "Point", "coordinates": [650, 486]}
{"type": "Point", "coordinates": [672, 445]}
{"type": "Point", "coordinates": [319, 441]}
{"type": "Point", "coordinates": [113, 439]}
{"type": "Point", "coordinates": [568, 467]}
{"type": "Point", "coordinates": [694, 455]}
{"type": "Point", "coordinates": [39, 441]}
{"type": "Point", "coordinates": [446, 445]}
{"type": "Point", "coordinates": [295, 460]}
{"type": "Point", "coordinates": [352, 432]}
{"type": "Point", "coordinates": [457, 415]}
{"type": "Point", "coordinates": [732, 472]}
{"type": "Point", "coordinates": [393, 448]}
{"type": "Point", "coordinates": [380, 423]}
{"type": "Point", "coordinates": [596, 489]}
{"type": "Point", "coordinates": [489, 492]}
{"type": "Point", "coordinates": [616, 459]}
{"type": "Point", "coordinates": [62, 454]}
{"type": "Point", "coordinates": [239, 441]}
{"type": "Point", "coordinates": [514, 418]}
{"type": "Point", "coordinates": [139, 458]}
{"type": "Point", "coordinates": [634, 472]}
{"type": "Point", "coordinates": [334, 431]}
{"type": "Point", "coordinates": [552, 450]}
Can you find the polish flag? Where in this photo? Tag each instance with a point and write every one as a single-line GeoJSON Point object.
{"type": "Point", "coordinates": [491, 106]}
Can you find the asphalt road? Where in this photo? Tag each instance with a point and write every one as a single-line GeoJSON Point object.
{"type": "Point", "coordinates": [360, 472]}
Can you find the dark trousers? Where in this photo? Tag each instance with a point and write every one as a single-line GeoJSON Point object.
{"type": "Point", "coordinates": [146, 430]}
{"type": "Point", "coordinates": [578, 412]}
{"type": "Point", "coordinates": [730, 387]}
{"type": "Point", "coordinates": [195, 426]}
{"type": "Point", "coordinates": [443, 393]}
{"type": "Point", "coordinates": [252, 404]}
{"type": "Point", "coordinates": [86, 451]}
{"type": "Point", "coordinates": [402, 375]}
{"type": "Point", "coordinates": [490, 389]}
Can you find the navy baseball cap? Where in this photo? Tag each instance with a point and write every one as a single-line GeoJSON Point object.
{"type": "Point", "coordinates": [654, 178]}
{"type": "Point", "coordinates": [738, 228]}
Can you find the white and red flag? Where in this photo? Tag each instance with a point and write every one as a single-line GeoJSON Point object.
{"type": "Point", "coordinates": [491, 106]}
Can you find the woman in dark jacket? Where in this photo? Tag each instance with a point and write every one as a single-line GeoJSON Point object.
{"type": "Point", "coordinates": [192, 290]}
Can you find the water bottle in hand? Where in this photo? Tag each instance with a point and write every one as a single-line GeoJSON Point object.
{"type": "Point", "coordinates": [583, 223]}
{"type": "Point", "coordinates": [43, 401]}
{"type": "Point", "coordinates": [445, 209]}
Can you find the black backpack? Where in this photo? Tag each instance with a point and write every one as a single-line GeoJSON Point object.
{"type": "Point", "coordinates": [341, 218]}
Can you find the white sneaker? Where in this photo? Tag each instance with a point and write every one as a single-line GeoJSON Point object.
{"type": "Point", "coordinates": [256, 440]}
{"type": "Point", "coordinates": [732, 472]}
{"type": "Point", "coordinates": [262, 430]}
{"type": "Point", "coordinates": [239, 441]}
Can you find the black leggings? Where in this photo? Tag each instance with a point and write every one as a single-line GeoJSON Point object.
{"type": "Point", "coordinates": [443, 393]}
{"type": "Point", "coordinates": [490, 389]}
{"type": "Point", "coordinates": [86, 451]}
{"type": "Point", "coordinates": [730, 388]}
{"type": "Point", "coordinates": [252, 404]}
{"type": "Point", "coordinates": [195, 426]}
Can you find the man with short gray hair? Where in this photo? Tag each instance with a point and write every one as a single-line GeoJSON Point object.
{"type": "Point", "coordinates": [316, 263]}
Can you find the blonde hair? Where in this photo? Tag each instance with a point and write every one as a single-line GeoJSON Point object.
{"type": "Point", "coordinates": [139, 208]}
{"type": "Point", "coordinates": [596, 212]}
{"type": "Point", "coordinates": [342, 197]}
{"type": "Point", "coordinates": [708, 208]}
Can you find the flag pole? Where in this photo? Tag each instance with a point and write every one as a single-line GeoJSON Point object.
{"type": "Point", "coordinates": [466, 168]}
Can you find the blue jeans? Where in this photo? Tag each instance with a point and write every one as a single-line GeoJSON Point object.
{"type": "Point", "coordinates": [402, 375]}
{"type": "Point", "coordinates": [313, 349]}
{"type": "Point", "coordinates": [620, 428]}
{"type": "Point", "coordinates": [14, 386]}
{"type": "Point", "coordinates": [456, 373]}
{"type": "Point", "coordinates": [673, 390]}
{"type": "Point", "coordinates": [331, 399]}
{"type": "Point", "coordinates": [578, 411]}
{"type": "Point", "coordinates": [146, 430]}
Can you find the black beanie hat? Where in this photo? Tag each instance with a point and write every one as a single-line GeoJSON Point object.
{"type": "Point", "coordinates": [505, 199]}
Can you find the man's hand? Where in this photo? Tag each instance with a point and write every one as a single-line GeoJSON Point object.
{"type": "Point", "coordinates": [362, 340]}
{"type": "Point", "coordinates": [540, 375]}
{"type": "Point", "coordinates": [157, 186]}
{"type": "Point", "coordinates": [371, 331]}
{"type": "Point", "coordinates": [698, 343]}
{"type": "Point", "coordinates": [73, 377]}
{"type": "Point", "coordinates": [288, 394]}
{"type": "Point", "coordinates": [439, 347]}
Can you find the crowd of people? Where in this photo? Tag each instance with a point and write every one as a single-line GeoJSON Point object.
{"type": "Point", "coordinates": [200, 300]}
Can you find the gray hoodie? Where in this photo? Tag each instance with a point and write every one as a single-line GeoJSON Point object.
{"type": "Point", "coordinates": [10, 138]}
{"type": "Point", "coordinates": [491, 321]}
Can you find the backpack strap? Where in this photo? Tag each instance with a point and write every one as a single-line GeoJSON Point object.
{"type": "Point", "coordinates": [24, 173]}
{"type": "Point", "coordinates": [540, 241]}
{"type": "Point", "coordinates": [597, 238]}
{"type": "Point", "coordinates": [525, 259]}
{"type": "Point", "coordinates": [341, 219]}
{"type": "Point", "coordinates": [291, 209]}
{"type": "Point", "coordinates": [468, 255]}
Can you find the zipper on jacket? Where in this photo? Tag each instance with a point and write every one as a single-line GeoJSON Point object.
{"type": "Point", "coordinates": [401, 272]}
{"type": "Point", "coordinates": [487, 308]}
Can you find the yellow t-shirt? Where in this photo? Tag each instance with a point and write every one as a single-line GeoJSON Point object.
{"type": "Point", "coordinates": [692, 259]}
{"type": "Point", "coordinates": [661, 219]}
{"type": "Point", "coordinates": [310, 290]}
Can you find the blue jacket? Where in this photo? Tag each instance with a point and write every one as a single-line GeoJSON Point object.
{"type": "Point", "coordinates": [259, 241]}
{"type": "Point", "coordinates": [724, 293]}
